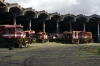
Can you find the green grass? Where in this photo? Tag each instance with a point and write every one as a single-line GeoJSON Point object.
{"type": "Point", "coordinates": [1, 60]}
{"type": "Point", "coordinates": [56, 53]}
{"type": "Point", "coordinates": [92, 48]}
{"type": "Point", "coordinates": [17, 58]}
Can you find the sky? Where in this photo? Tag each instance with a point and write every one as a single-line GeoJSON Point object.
{"type": "Point", "coordinates": [76, 7]}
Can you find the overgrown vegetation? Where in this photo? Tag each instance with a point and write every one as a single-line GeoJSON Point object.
{"type": "Point", "coordinates": [93, 49]}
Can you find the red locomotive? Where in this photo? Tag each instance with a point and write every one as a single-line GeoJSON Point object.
{"type": "Point", "coordinates": [12, 35]}
{"type": "Point", "coordinates": [42, 37]}
{"type": "Point", "coordinates": [75, 37]}
{"type": "Point", "coordinates": [30, 36]}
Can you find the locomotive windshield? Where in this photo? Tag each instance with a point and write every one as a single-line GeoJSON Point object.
{"type": "Point", "coordinates": [18, 29]}
{"type": "Point", "coordinates": [9, 31]}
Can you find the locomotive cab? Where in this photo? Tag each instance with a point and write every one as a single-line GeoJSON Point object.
{"type": "Point", "coordinates": [30, 36]}
{"type": "Point", "coordinates": [42, 37]}
{"type": "Point", "coordinates": [12, 35]}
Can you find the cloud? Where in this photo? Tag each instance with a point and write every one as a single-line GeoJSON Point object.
{"type": "Point", "coordinates": [86, 7]}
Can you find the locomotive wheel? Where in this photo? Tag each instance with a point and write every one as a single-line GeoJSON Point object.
{"type": "Point", "coordinates": [84, 41]}
{"type": "Point", "coordinates": [4, 45]}
{"type": "Point", "coordinates": [34, 41]}
{"type": "Point", "coordinates": [73, 41]}
{"type": "Point", "coordinates": [11, 46]}
{"type": "Point", "coordinates": [19, 44]}
{"type": "Point", "coordinates": [77, 42]}
{"type": "Point", "coordinates": [91, 41]}
{"type": "Point", "coordinates": [16, 45]}
{"type": "Point", "coordinates": [47, 40]}
{"type": "Point", "coordinates": [25, 45]}
{"type": "Point", "coordinates": [43, 41]}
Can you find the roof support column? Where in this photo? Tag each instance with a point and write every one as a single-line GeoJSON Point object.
{"type": "Point", "coordinates": [70, 27]}
{"type": "Point", "coordinates": [83, 26]}
{"type": "Point", "coordinates": [98, 33]}
{"type": "Point", "coordinates": [15, 21]}
{"type": "Point", "coordinates": [57, 26]}
{"type": "Point", "coordinates": [14, 18]}
{"type": "Point", "coordinates": [89, 29]}
{"type": "Point", "coordinates": [43, 25]}
{"type": "Point", "coordinates": [7, 9]}
{"type": "Point", "coordinates": [30, 24]}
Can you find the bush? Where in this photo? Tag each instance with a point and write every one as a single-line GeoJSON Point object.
{"type": "Point", "coordinates": [93, 49]}
{"type": "Point", "coordinates": [98, 50]}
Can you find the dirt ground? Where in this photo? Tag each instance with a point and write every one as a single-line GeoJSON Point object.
{"type": "Point", "coordinates": [49, 54]}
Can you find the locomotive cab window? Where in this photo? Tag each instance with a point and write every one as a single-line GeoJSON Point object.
{"type": "Point", "coordinates": [9, 31]}
{"type": "Point", "coordinates": [18, 29]}
{"type": "Point", "coordinates": [27, 34]}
